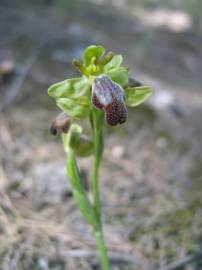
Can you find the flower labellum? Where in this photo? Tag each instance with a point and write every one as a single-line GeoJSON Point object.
{"type": "Point", "coordinates": [60, 123]}
{"type": "Point", "coordinates": [109, 97]}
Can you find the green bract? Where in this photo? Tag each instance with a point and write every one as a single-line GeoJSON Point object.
{"type": "Point", "coordinates": [134, 96]}
{"type": "Point", "coordinates": [76, 141]}
{"type": "Point", "coordinates": [71, 139]}
{"type": "Point", "coordinates": [84, 147]}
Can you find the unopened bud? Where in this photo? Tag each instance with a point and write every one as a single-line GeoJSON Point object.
{"type": "Point", "coordinates": [61, 123]}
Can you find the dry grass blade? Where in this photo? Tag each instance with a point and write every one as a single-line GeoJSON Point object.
{"type": "Point", "coordinates": [184, 262]}
{"type": "Point", "coordinates": [16, 86]}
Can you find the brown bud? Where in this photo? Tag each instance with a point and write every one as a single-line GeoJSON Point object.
{"type": "Point", "coordinates": [61, 123]}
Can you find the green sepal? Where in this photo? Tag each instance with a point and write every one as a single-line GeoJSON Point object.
{"type": "Point", "coordinates": [71, 88]}
{"type": "Point", "coordinates": [114, 63]}
{"type": "Point", "coordinates": [92, 51]}
{"type": "Point", "coordinates": [77, 108]}
{"type": "Point", "coordinates": [118, 75]}
{"type": "Point", "coordinates": [134, 96]}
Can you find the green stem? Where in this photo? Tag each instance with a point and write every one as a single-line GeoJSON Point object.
{"type": "Point", "coordinates": [102, 250]}
{"type": "Point", "coordinates": [97, 123]}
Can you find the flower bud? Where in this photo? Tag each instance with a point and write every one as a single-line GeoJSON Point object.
{"type": "Point", "coordinates": [60, 123]}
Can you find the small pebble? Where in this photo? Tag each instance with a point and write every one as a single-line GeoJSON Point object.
{"type": "Point", "coordinates": [118, 151]}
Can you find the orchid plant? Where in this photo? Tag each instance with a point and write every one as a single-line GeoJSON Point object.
{"type": "Point", "coordinates": [100, 94]}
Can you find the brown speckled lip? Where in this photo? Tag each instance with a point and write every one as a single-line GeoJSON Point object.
{"type": "Point", "coordinates": [109, 97]}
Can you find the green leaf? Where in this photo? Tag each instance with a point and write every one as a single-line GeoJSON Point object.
{"type": "Point", "coordinates": [80, 195]}
{"type": "Point", "coordinates": [118, 75]}
{"type": "Point", "coordinates": [78, 108]}
{"type": "Point", "coordinates": [114, 63]}
{"type": "Point", "coordinates": [137, 95]}
{"type": "Point", "coordinates": [85, 207]}
{"type": "Point", "coordinates": [71, 88]}
{"type": "Point", "coordinates": [92, 51]}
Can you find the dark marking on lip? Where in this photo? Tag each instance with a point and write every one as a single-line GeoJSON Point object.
{"type": "Point", "coordinates": [109, 97]}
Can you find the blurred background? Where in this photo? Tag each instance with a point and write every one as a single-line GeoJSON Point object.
{"type": "Point", "coordinates": [151, 178]}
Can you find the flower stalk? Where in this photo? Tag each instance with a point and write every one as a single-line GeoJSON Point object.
{"type": "Point", "coordinates": [102, 249]}
{"type": "Point", "coordinates": [97, 126]}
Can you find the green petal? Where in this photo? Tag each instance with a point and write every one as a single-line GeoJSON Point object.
{"type": "Point", "coordinates": [114, 63]}
{"type": "Point", "coordinates": [92, 51]}
{"type": "Point", "coordinates": [137, 95]}
{"type": "Point", "coordinates": [77, 108]}
{"type": "Point", "coordinates": [71, 88]}
{"type": "Point", "coordinates": [118, 75]}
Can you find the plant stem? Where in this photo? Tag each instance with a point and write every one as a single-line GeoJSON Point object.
{"type": "Point", "coordinates": [102, 250]}
{"type": "Point", "coordinates": [97, 123]}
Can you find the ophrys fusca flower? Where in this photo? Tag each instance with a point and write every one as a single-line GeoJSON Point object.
{"type": "Point", "coordinates": [109, 97]}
